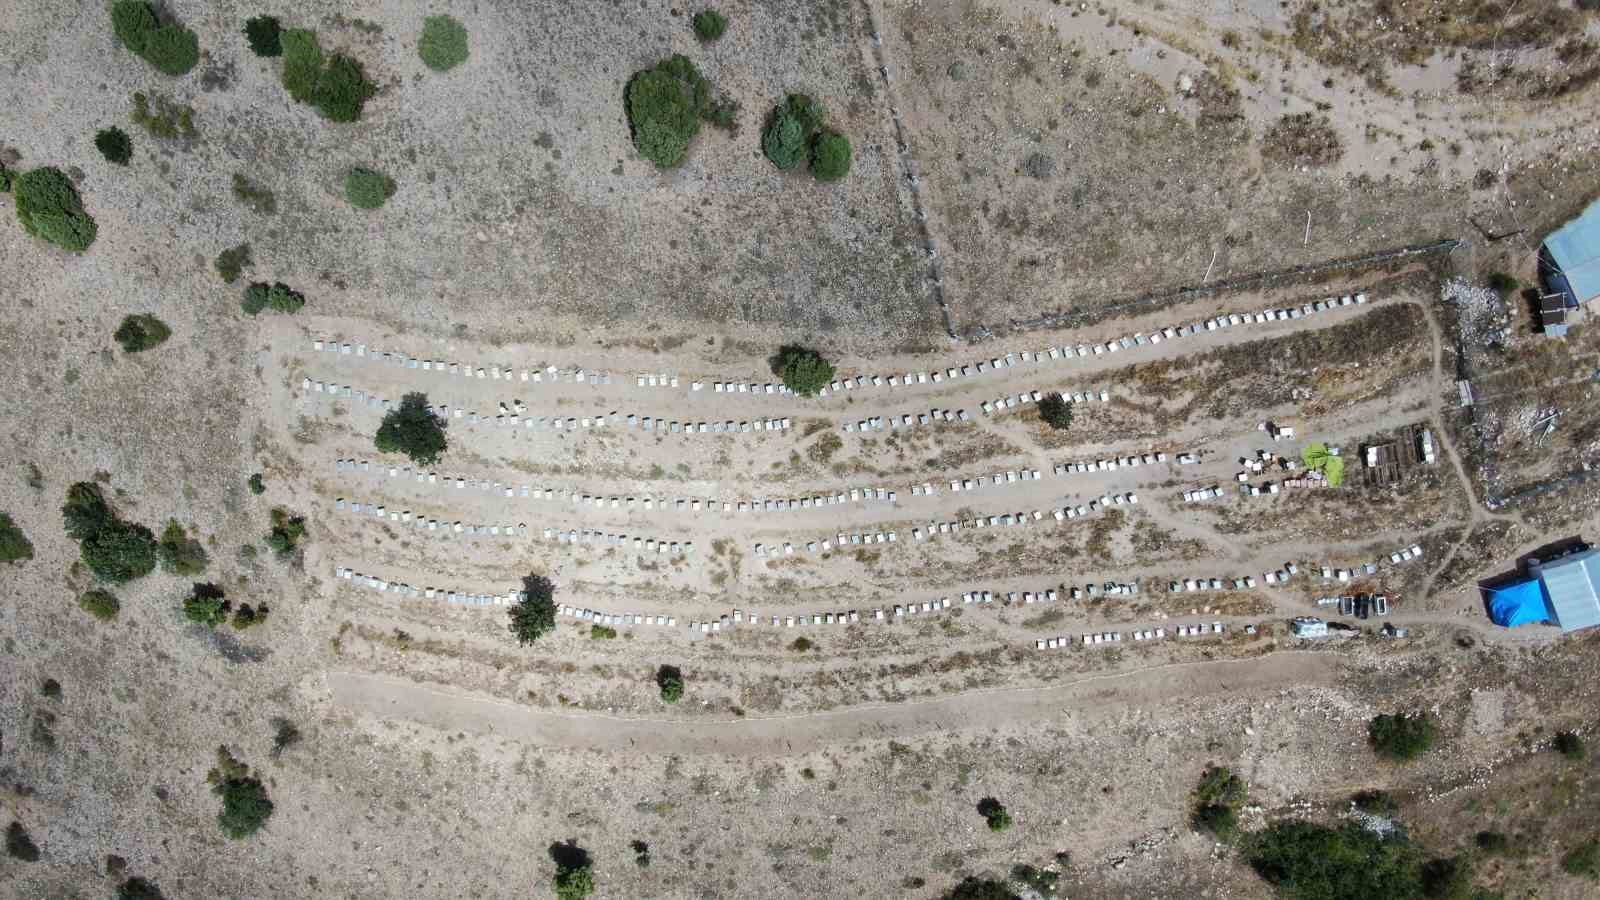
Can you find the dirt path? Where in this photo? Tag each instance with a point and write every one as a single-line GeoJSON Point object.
{"type": "Point", "coordinates": [1100, 695]}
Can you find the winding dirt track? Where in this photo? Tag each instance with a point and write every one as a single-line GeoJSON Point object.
{"type": "Point", "coordinates": [1109, 694]}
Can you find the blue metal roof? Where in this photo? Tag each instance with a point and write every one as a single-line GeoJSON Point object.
{"type": "Point", "coordinates": [1572, 585]}
{"type": "Point", "coordinates": [1575, 249]}
{"type": "Point", "coordinates": [1518, 604]}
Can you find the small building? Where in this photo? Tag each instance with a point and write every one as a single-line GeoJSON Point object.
{"type": "Point", "coordinates": [1308, 627]}
{"type": "Point", "coordinates": [1569, 265]}
{"type": "Point", "coordinates": [1564, 591]}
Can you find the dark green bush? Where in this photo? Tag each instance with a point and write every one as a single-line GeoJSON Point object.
{"type": "Point", "coordinates": [232, 262]}
{"type": "Point", "coordinates": [277, 297]}
{"type": "Point", "coordinates": [1215, 799]}
{"type": "Point", "coordinates": [171, 49]}
{"type": "Point", "coordinates": [335, 85]}
{"type": "Point", "coordinates": [665, 104]}
{"type": "Point", "coordinates": [247, 615]}
{"type": "Point", "coordinates": [830, 156]}
{"type": "Point", "coordinates": [1378, 803]}
{"type": "Point", "coordinates": [287, 530]}
{"type": "Point", "coordinates": [412, 428]}
{"type": "Point", "coordinates": [181, 554]}
{"type": "Point", "coordinates": [790, 129]}
{"type": "Point", "coordinates": [85, 511]}
{"type": "Point", "coordinates": [535, 614]}
{"type": "Point", "coordinates": [709, 24]}
{"type": "Point", "coordinates": [1503, 284]}
{"type": "Point", "coordinates": [103, 605]}
{"type": "Point", "coordinates": [974, 888]}
{"type": "Point", "coordinates": [994, 813]}
{"type": "Point", "coordinates": [114, 145]}
{"type": "Point", "coordinates": [139, 889]}
{"type": "Point", "coordinates": [1055, 411]}
{"type": "Point", "coordinates": [1400, 736]}
{"type": "Point", "coordinates": [14, 545]}
{"type": "Point", "coordinates": [443, 44]}
{"type": "Point", "coordinates": [206, 605]}
{"type": "Point", "coordinates": [1570, 745]}
{"type": "Point", "coordinates": [19, 845]}
{"type": "Point", "coordinates": [120, 552]}
{"type": "Point", "coordinates": [670, 680]}
{"type": "Point", "coordinates": [141, 332]}
{"type": "Point", "coordinates": [257, 484]}
{"type": "Point", "coordinates": [245, 807]}
{"type": "Point", "coordinates": [803, 370]}
{"type": "Point", "coordinates": [49, 208]}
{"type": "Point", "coordinates": [1304, 860]}
{"type": "Point", "coordinates": [1583, 860]}
{"type": "Point", "coordinates": [366, 189]}
{"type": "Point", "coordinates": [265, 36]}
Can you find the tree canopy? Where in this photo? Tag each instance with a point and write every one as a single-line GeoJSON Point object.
{"type": "Point", "coordinates": [14, 545]}
{"type": "Point", "coordinates": [1402, 736]}
{"type": "Point", "coordinates": [245, 807]}
{"type": "Point", "coordinates": [803, 370]}
{"type": "Point", "coordinates": [1055, 411]}
{"type": "Point", "coordinates": [114, 550]}
{"type": "Point", "coordinates": [1314, 862]}
{"type": "Point", "coordinates": [665, 104]}
{"type": "Point", "coordinates": [830, 156]}
{"type": "Point", "coordinates": [670, 680]}
{"type": "Point", "coordinates": [535, 614]}
{"type": "Point", "coordinates": [49, 208]}
{"type": "Point", "coordinates": [709, 24]}
{"type": "Point", "coordinates": [412, 428]}
{"type": "Point", "coordinates": [789, 130]}
{"type": "Point", "coordinates": [171, 49]}
{"type": "Point", "coordinates": [335, 85]}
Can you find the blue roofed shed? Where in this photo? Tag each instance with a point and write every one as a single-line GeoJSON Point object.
{"type": "Point", "coordinates": [1570, 263]}
{"type": "Point", "coordinates": [1572, 589]}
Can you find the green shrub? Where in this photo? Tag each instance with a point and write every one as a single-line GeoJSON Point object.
{"type": "Point", "coordinates": [161, 117]}
{"type": "Point", "coordinates": [120, 552]}
{"type": "Point", "coordinates": [830, 156]}
{"type": "Point", "coordinates": [1583, 861]}
{"type": "Point", "coordinates": [366, 189]}
{"type": "Point", "coordinates": [803, 371]}
{"type": "Point", "coordinates": [670, 680]}
{"type": "Point", "coordinates": [790, 129]}
{"type": "Point", "coordinates": [665, 104]}
{"type": "Point", "coordinates": [103, 605]}
{"type": "Point", "coordinates": [975, 888]}
{"type": "Point", "coordinates": [1503, 284]}
{"type": "Point", "coordinates": [709, 24]}
{"type": "Point", "coordinates": [1349, 863]}
{"type": "Point", "coordinates": [141, 332]}
{"type": "Point", "coordinates": [443, 44]}
{"type": "Point", "coordinates": [1570, 745]}
{"type": "Point", "coordinates": [335, 85]}
{"type": "Point", "coordinates": [574, 882]}
{"type": "Point", "coordinates": [19, 845]}
{"type": "Point", "coordinates": [277, 297]}
{"type": "Point", "coordinates": [139, 889]}
{"type": "Point", "coordinates": [535, 614]}
{"type": "Point", "coordinates": [253, 195]}
{"type": "Point", "coordinates": [1400, 736]}
{"type": "Point", "coordinates": [14, 545]}
{"type": "Point", "coordinates": [85, 511]}
{"type": "Point", "coordinates": [206, 605]}
{"type": "Point", "coordinates": [265, 36]}
{"type": "Point", "coordinates": [413, 429]}
{"type": "Point", "coordinates": [49, 208]}
{"type": "Point", "coordinates": [181, 554]}
{"type": "Point", "coordinates": [287, 530]}
{"type": "Point", "coordinates": [1378, 803]}
{"type": "Point", "coordinates": [114, 145]}
{"type": "Point", "coordinates": [802, 645]}
{"type": "Point", "coordinates": [602, 632]}
{"type": "Point", "coordinates": [5, 179]}
{"type": "Point", "coordinates": [1215, 798]}
{"type": "Point", "coordinates": [232, 262]}
{"type": "Point", "coordinates": [171, 49]}
{"type": "Point", "coordinates": [994, 813]}
{"type": "Point", "coordinates": [1055, 411]}
{"type": "Point", "coordinates": [245, 807]}
{"type": "Point", "coordinates": [258, 485]}
{"type": "Point", "coordinates": [247, 615]}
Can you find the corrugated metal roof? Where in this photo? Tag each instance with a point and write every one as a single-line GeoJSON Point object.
{"type": "Point", "coordinates": [1573, 584]}
{"type": "Point", "coordinates": [1575, 248]}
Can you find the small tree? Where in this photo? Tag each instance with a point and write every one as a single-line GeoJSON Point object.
{"type": "Point", "coordinates": [803, 371]}
{"type": "Point", "coordinates": [139, 889]}
{"type": "Point", "coordinates": [14, 545]}
{"type": "Point", "coordinates": [366, 189]}
{"type": "Point", "coordinates": [335, 85]}
{"type": "Point", "coordinates": [1570, 745]}
{"type": "Point", "coordinates": [574, 871]}
{"type": "Point", "coordinates": [287, 530]}
{"type": "Point", "coordinates": [535, 614]}
{"type": "Point", "coordinates": [994, 813]}
{"type": "Point", "coordinates": [709, 24]}
{"type": "Point", "coordinates": [247, 615]}
{"type": "Point", "coordinates": [265, 36]}
{"type": "Point", "coordinates": [245, 807]}
{"type": "Point", "coordinates": [206, 605]}
{"type": "Point", "coordinates": [85, 511]}
{"type": "Point", "coordinates": [171, 49]}
{"type": "Point", "coordinates": [830, 156]}
{"type": "Point", "coordinates": [1583, 861]}
{"type": "Point", "coordinates": [49, 208]}
{"type": "Point", "coordinates": [1055, 411]}
{"type": "Point", "coordinates": [103, 605]}
{"type": "Point", "coordinates": [277, 297]}
{"type": "Point", "coordinates": [232, 262]}
{"type": "Point", "coordinates": [412, 429]}
{"type": "Point", "coordinates": [670, 680]}
{"type": "Point", "coordinates": [19, 845]}
{"type": "Point", "coordinates": [181, 554]}
{"type": "Point", "coordinates": [1215, 799]}
{"type": "Point", "coordinates": [141, 332]}
{"type": "Point", "coordinates": [789, 130]}
{"type": "Point", "coordinates": [120, 552]}
{"type": "Point", "coordinates": [1401, 736]}
{"type": "Point", "coordinates": [114, 144]}
{"type": "Point", "coordinates": [443, 44]}
{"type": "Point", "coordinates": [257, 484]}
{"type": "Point", "coordinates": [665, 104]}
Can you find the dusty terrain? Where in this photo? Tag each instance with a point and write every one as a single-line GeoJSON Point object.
{"type": "Point", "coordinates": [1028, 176]}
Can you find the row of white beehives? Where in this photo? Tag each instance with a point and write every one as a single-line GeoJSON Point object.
{"type": "Point", "coordinates": [459, 598]}
{"type": "Point", "coordinates": [1096, 638]}
{"type": "Point", "coordinates": [447, 527]}
{"type": "Point", "coordinates": [1112, 463]}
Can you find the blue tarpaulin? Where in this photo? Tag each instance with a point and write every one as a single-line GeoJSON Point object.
{"type": "Point", "coordinates": [1519, 604]}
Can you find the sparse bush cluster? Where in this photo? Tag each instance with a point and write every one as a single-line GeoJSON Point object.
{"type": "Point", "coordinates": [367, 189]}
{"type": "Point", "coordinates": [171, 49]}
{"type": "Point", "coordinates": [181, 554]}
{"type": "Point", "coordinates": [803, 370]}
{"type": "Point", "coordinates": [443, 44]}
{"type": "Point", "coordinates": [1216, 799]}
{"type": "Point", "coordinates": [1402, 736]}
{"type": "Point", "coordinates": [206, 605]}
{"type": "Point", "coordinates": [49, 208]}
{"type": "Point", "coordinates": [257, 484]}
{"type": "Point", "coordinates": [665, 105]}
{"type": "Point", "coordinates": [412, 428]}
{"type": "Point", "coordinates": [14, 545]}
{"type": "Point", "coordinates": [141, 332]}
{"type": "Point", "coordinates": [232, 262]}
{"type": "Point", "coordinates": [103, 605]}
{"type": "Point", "coordinates": [995, 814]}
{"type": "Point", "coordinates": [161, 117]}
{"type": "Point", "coordinates": [1302, 139]}
{"type": "Point", "coordinates": [115, 551]}
{"type": "Point", "coordinates": [335, 85]}
{"type": "Point", "coordinates": [287, 530]}
{"type": "Point", "coordinates": [114, 145]}
{"type": "Point", "coordinates": [253, 195]}
{"type": "Point", "coordinates": [245, 806]}
{"type": "Point", "coordinates": [795, 133]}
{"type": "Point", "coordinates": [277, 297]}
{"type": "Point", "coordinates": [534, 615]}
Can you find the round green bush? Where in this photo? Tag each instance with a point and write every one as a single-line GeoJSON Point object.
{"type": "Point", "coordinates": [141, 332]}
{"type": "Point", "coordinates": [789, 129]}
{"type": "Point", "coordinates": [664, 105]}
{"type": "Point", "coordinates": [443, 44]}
{"type": "Point", "coordinates": [171, 49]}
{"type": "Point", "coordinates": [103, 605]}
{"type": "Point", "coordinates": [114, 145]}
{"type": "Point", "coordinates": [710, 24]}
{"type": "Point", "coordinates": [830, 156]}
{"type": "Point", "coordinates": [367, 189]}
{"type": "Point", "coordinates": [48, 207]}
{"type": "Point", "coordinates": [1400, 736]}
{"type": "Point", "coordinates": [265, 36]}
{"type": "Point", "coordinates": [120, 551]}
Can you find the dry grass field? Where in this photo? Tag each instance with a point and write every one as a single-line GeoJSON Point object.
{"type": "Point", "coordinates": [1011, 159]}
